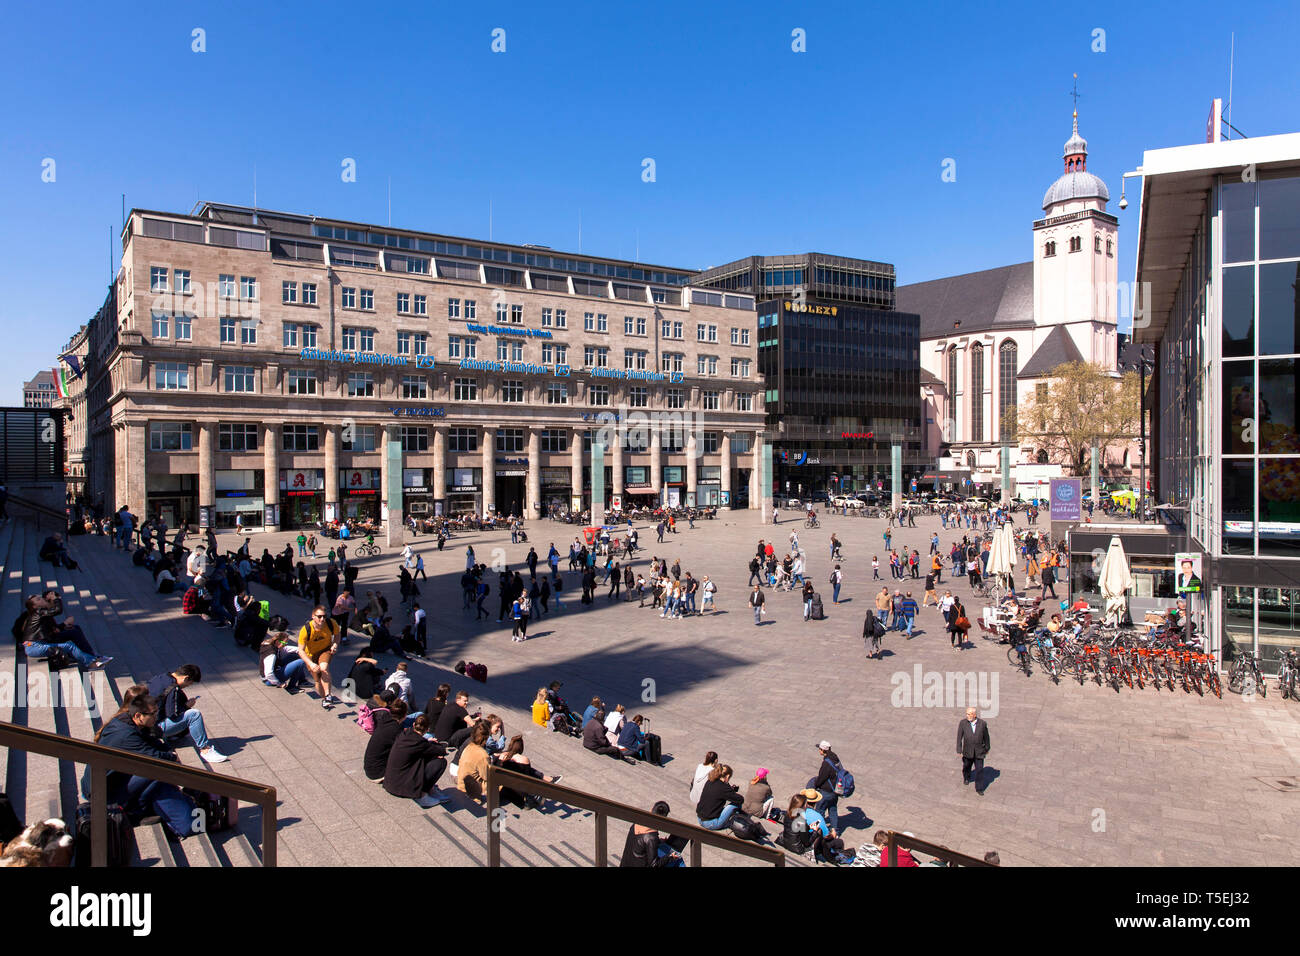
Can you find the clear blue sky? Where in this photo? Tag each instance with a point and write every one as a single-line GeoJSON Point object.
{"type": "Point", "coordinates": [758, 149]}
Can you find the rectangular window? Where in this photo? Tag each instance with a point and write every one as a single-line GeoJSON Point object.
{"type": "Point", "coordinates": [171, 436]}
{"type": "Point", "coordinates": [745, 402]}
{"type": "Point", "coordinates": [240, 378]}
{"type": "Point", "coordinates": [453, 308]}
{"type": "Point", "coordinates": [248, 332]}
{"type": "Point", "coordinates": [561, 355]}
{"type": "Point", "coordinates": [465, 390]}
{"type": "Point", "coordinates": [628, 325]}
{"type": "Point", "coordinates": [710, 400]}
{"type": "Point", "coordinates": [640, 325]}
{"type": "Point", "coordinates": [712, 441]}
{"type": "Point", "coordinates": [414, 386]}
{"type": "Point", "coordinates": [289, 292]}
{"type": "Point", "coordinates": [546, 318]}
{"type": "Point", "coordinates": [589, 321]}
{"type": "Point", "coordinates": [510, 439]}
{"type": "Point", "coordinates": [415, 438]}
{"type": "Point", "coordinates": [158, 278]}
{"type": "Point", "coordinates": [171, 375]}
{"type": "Point", "coordinates": [160, 323]}
{"type": "Point", "coordinates": [403, 303]}
{"type": "Point", "coordinates": [588, 356]}
{"type": "Point", "coordinates": [302, 381]}
{"type": "Point", "coordinates": [309, 293]}
{"type": "Point", "coordinates": [676, 398]}
{"type": "Point", "coordinates": [512, 390]}
{"type": "Point", "coordinates": [672, 361]}
{"type": "Point", "coordinates": [404, 343]}
{"type": "Point", "coordinates": [421, 305]}
{"type": "Point", "coordinates": [555, 439]}
{"type": "Point", "coordinates": [308, 336]}
{"type": "Point", "coordinates": [361, 385]}
{"type": "Point", "coordinates": [548, 353]}
{"type": "Point", "coordinates": [227, 326]}
{"type": "Point", "coordinates": [739, 368]}
{"type": "Point", "coordinates": [226, 286]}
{"type": "Point", "coordinates": [182, 277]}
{"type": "Point", "coordinates": [561, 318]}
{"type": "Point", "coordinates": [602, 322]}
{"type": "Point", "coordinates": [740, 444]}
{"type": "Point", "coordinates": [348, 297]}
{"type": "Point", "coordinates": [471, 309]}
{"type": "Point", "coordinates": [240, 437]}
{"type": "Point", "coordinates": [349, 339]}
{"type": "Point", "coordinates": [677, 330]}
{"type": "Point", "coordinates": [300, 438]}
{"type": "Point", "coordinates": [364, 438]}
{"type": "Point", "coordinates": [367, 340]}
{"type": "Point", "coordinates": [516, 351]}
{"type": "Point", "coordinates": [471, 348]}
{"type": "Point", "coordinates": [421, 343]}
{"type": "Point", "coordinates": [517, 314]}
{"type": "Point", "coordinates": [183, 327]}
{"type": "Point", "coordinates": [602, 358]}
{"type": "Point", "coordinates": [248, 288]}
{"type": "Point", "coordinates": [735, 336]}
{"type": "Point", "coordinates": [598, 394]}
{"type": "Point", "coordinates": [503, 312]}
{"type": "Point", "coordinates": [462, 439]}
{"type": "Point", "coordinates": [667, 329]}
{"type": "Point", "coordinates": [713, 333]}
{"type": "Point", "coordinates": [368, 299]}
{"type": "Point", "coordinates": [699, 333]}
{"type": "Point", "coordinates": [638, 396]}
{"type": "Point", "coordinates": [701, 363]}
{"type": "Point", "coordinates": [453, 346]}
{"type": "Point", "coordinates": [503, 350]}
{"type": "Point", "coordinates": [557, 393]}
{"type": "Point", "coordinates": [290, 335]}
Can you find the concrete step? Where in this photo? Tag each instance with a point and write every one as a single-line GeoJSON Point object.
{"type": "Point", "coordinates": [152, 846]}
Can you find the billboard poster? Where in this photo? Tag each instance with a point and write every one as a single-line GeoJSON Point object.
{"type": "Point", "coordinates": [1187, 566]}
{"type": "Point", "coordinates": [1066, 495]}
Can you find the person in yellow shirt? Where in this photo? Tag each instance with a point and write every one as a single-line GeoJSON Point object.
{"type": "Point", "coordinates": [318, 641]}
{"type": "Point", "coordinates": [541, 709]}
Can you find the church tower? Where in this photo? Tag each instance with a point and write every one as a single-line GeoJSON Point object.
{"type": "Point", "coordinates": [1076, 253]}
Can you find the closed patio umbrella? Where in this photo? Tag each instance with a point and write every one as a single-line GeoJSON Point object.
{"type": "Point", "coordinates": [1002, 552]}
{"type": "Point", "coordinates": [1116, 579]}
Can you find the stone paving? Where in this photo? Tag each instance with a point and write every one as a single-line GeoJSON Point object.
{"type": "Point", "coordinates": [1079, 775]}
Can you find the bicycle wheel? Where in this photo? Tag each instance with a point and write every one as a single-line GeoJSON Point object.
{"type": "Point", "coordinates": [1261, 683]}
{"type": "Point", "coordinates": [1127, 673]}
{"type": "Point", "coordinates": [1139, 676]}
{"type": "Point", "coordinates": [1216, 686]}
{"type": "Point", "coordinates": [1052, 664]}
{"type": "Point", "coordinates": [1013, 658]}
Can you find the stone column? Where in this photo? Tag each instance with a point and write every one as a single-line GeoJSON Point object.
{"type": "Point", "coordinates": [575, 463]}
{"type": "Point", "coordinates": [271, 473]}
{"type": "Point", "coordinates": [692, 465]}
{"type": "Point", "coordinates": [656, 462]}
{"type": "Point", "coordinates": [207, 472]}
{"type": "Point", "coordinates": [616, 459]}
{"type": "Point", "coordinates": [533, 498]}
{"type": "Point", "coordinates": [439, 488]}
{"type": "Point", "coordinates": [488, 448]}
{"type": "Point", "coordinates": [756, 476]}
{"type": "Point", "coordinates": [332, 507]}
{"type": "Point", "coordinates": [724, 450]}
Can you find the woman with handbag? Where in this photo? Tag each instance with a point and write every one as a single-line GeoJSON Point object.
{"type": "Point", "coordinates": [958, 623]}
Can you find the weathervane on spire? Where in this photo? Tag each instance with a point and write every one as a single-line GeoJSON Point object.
{"type": "Point", "coordinates": [1075, 94]}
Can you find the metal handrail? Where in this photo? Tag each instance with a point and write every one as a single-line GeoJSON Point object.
{"type": "Point", "coordinates": [604, 809]}
{"type": "Point", "coordinates": [101, 760]}
{"type": "Point", "coordinates": [951, 857]}
{"type": "Point", "coordinates": [39, 509]}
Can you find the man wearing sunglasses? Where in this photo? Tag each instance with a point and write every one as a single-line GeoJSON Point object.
{"type": "Point", "coordinates": [318, 642]}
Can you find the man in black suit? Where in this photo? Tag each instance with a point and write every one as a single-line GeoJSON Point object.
{"type": "Point", "coordinates": [973, 745]}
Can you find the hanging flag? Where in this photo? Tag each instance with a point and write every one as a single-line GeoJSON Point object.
{"type": "Point", "coordinates": [60, 383]}
{"type": "Point", "coordinates": [73, 362]}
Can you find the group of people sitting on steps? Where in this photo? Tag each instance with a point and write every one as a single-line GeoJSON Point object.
{"type": "Point", "coordinates": [608, 733]}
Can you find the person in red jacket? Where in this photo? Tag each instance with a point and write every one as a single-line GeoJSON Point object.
{"type": "Point", "coordinates": [905, 858]}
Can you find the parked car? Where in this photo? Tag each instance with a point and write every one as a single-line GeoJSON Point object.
{"type": "Point", "coordinates": [847, 501]}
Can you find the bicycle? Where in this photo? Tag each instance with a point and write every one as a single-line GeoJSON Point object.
{"type": "Point", "coordinates": [369, 549]}
{"type": "Point", "coordinates": [1245, 672]}
{"type": "Point", "coordinates": [811, 523]}
{"type": "Point", "coordinates": [1018, 656]}
{"type": "Point", "coordinates": [1288, 677]}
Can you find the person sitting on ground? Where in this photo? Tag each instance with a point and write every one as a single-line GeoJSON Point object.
{"type": "Point", "coordinates": [702, 775]}
{"type": "Point", "coordinates": [541, 709]}
{"type": "Point", "coordinates": [795, 835]}
{"type": "Point", "coordinates": [132, 730]}
{"type": "Point", "coordinates": [719, 800]}
{"type": "Point", "coordinates": [758, 798]}
{"type": "Point", "coordinates": [614, 721]}
{"type": "Point", "coordinates": [513, 758]}
{"type": "Point", "coordinates": [176, 713]}
{"type": "Point", "coordinates": [366, 678]}
{"type": "Point", "coordinates": [643, 847]}
{"type": "Point", "coordinates": [40, 634]}
{"type": "Point", "coordinates": [826, 842]}
{"type": "Point", "coordinates": [388, 724]}
{"type": "Point", "coordinates": [595, 705]}
{"type": "Point", "coordinates": [433, 707]}
{"type": "Point", "coordinates": [905, 858]}
{"type": "Point", "coordinates": [594, 739]}
{"type": "Point", "coordinates": [318, 642]}
{"type": "Point", "coordinates": [472, 764]}
{"type": "Point", "coordinates": [400, 680]}
{"type": "Point", "coordinates": [415, 763]}
{"type": "Point", "coordinates": [56, 552]}
{"type": "Point", "coordinates": [631, 739]}
{"type": "Point", "coordinates": [455, 722]}
{"type": "Point", "coordinates": [381, 638]}
{"type": "Point", "coordinates": [496, 741]}
{"type": "Point", "coordinates": [280, 664]}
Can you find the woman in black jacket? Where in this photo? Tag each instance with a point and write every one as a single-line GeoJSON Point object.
{"type": "Point", "coordinates": [794, 833]}
{"type": "Point", "coordinates": [643, 847]}
{"type": "Point", "coordinates": [414, 765]}
{"type": "Point", "coordinates": [313, 587]}
{"type": "Point", "coordinates": [958, 613]}
{"type": "Point", "coordinates": [719, 800]}
{"type": "Point", "coordinates": [388, 724]}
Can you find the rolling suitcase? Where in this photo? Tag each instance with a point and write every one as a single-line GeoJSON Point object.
{"type": "Point", "coordinates": [654, 749]}
{"type": "Point", "coordinates": [818, 612]}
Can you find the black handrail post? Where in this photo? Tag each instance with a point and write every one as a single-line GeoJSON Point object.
{"type": "Point", "coordinates": [602, 839]}
{"type": "Point", "coordinates": [98, 814]}
{"type": "Point", "coordinates": [893, 848]}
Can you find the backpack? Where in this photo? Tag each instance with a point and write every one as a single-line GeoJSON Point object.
{"type": "Point", "coordinates": [58, 660]}
{"type": "Point", "coordinates": [476, 672]}
{"type": "Point", "coordinates": [366, 718]}
{"type": "Point", "coordinates": [844, 785]}
{"type": "Point", "coordinates": [278, 622]}
{"type": "Point", "coordinates": [877, 628]}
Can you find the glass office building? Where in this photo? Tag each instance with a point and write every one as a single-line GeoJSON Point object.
{"type": "Point", "coordinates": [1219, 273]}
{"type": "Point", "coordinates": [841, 367]}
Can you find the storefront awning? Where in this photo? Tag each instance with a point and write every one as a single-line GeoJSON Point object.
{"type": "Point", "coordinates": [640, 490]}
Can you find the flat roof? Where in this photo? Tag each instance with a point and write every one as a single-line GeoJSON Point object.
{"type": "Point", "coordinates": [1175, 188]}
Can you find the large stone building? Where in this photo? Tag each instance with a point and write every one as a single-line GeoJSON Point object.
{"type": "Point", "coordinates": [990, 339]}
{"type": "Point", "coordinates": [38, 392]}
{"type": "Point", "coordinates": [288, 368]}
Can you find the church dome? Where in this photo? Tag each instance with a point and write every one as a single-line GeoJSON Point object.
{"type": "Point", "coordinates": [1076, 185]}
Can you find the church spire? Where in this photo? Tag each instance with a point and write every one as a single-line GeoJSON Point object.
{"type": "Point", "coordinates": [1076, 147]}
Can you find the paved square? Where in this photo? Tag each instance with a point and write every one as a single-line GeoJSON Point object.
{"type": "Point", "coordinates": [1079, 775]}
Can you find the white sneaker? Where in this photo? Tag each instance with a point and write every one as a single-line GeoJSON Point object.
{"type": "Point", "coordinates": [213, 755]}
